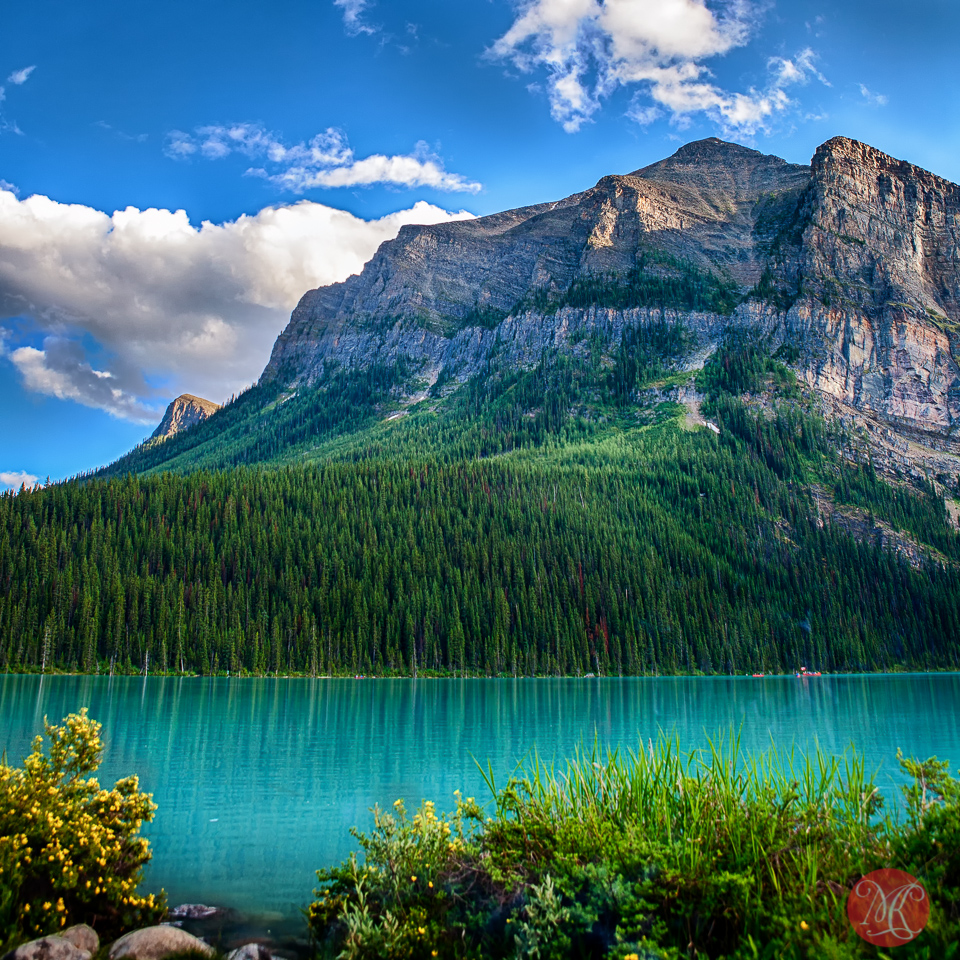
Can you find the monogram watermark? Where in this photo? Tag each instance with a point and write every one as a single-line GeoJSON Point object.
{"type": "Point", "coordinates": [888, 907]}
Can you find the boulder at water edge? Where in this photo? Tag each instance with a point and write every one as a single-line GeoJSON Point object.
{"type": "Point", "coordinates": [83, 937]}
{"type": "Point", "coordinates": [48, 948]}
{"type": "Point", "coordinates": [154, 943]}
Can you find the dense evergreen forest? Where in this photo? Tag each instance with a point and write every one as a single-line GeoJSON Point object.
{"type": "Point", "coordinates": [533, 522]}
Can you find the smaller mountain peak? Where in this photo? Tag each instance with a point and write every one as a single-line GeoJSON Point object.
{"type": "Point", "coordinates": [184, 412]}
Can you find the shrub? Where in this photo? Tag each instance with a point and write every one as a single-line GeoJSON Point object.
{"type": "Point", "coordinates": [651, 856]}
{"type": "Point", "coordinates": [70, 851]}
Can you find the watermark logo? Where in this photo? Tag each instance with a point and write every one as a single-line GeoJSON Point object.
{"type": "Point", "coordinates": [888, 908]}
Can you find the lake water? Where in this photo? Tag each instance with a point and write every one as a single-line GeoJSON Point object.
{"type": "Point", "coordinates": [259, 781]}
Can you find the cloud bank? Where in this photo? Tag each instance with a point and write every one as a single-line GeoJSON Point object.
{"type": "Point", "coordinates": [589, 48]}
{"type": "Point", "coordinates": [326, 161]}
{"type": "Point", "coordinates": [123, 311]}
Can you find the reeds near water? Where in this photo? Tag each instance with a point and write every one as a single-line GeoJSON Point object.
{"type": "Point", "coordinates": [652, 853]}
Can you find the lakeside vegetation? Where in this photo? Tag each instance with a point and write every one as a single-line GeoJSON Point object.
{"type": "Point", "coordinates": [537, 522]}
{"type": "Point", "coordinates": [650, 855]}
{"type": "Point", "coordinates": [654, 854]}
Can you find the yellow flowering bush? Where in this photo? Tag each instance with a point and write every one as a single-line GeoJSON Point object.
{"type": "Point", "coordinates": [396, 904]}
{"type": "Point", "coordinates": [70, 851]}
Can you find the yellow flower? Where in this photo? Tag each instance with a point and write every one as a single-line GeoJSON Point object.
{"type": "Point", "coordinates": [413, 879]}
{"type": "Point", "coordinates": [631, 956]}
{"type": "Point", "coordinates": [804, 925]}
{"type": "Point", "coordinates": [421, 930]}
{"type": "Point", "coordinates": [430, 884]}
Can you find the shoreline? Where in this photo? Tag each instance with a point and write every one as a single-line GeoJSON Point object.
{"type": "Point", "coordinates": [439, 676]}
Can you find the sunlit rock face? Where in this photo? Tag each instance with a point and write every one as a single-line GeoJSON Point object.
{"type": "Point", "coordinates": [184, 412]}
{"type": "Point", "coordinates": [854, 261]}
{"type": "Point", "coordinates": [879, 282]}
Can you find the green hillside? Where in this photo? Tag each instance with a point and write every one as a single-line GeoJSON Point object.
{"type": "Point", "coordinates": [547, 521]}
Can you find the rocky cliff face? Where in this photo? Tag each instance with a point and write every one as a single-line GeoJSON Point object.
{"type": "Point", "coordinates": [184, 412]}
{"type": "Point", "coordinates": [854, 261]}
{"type": "Point", "coordinates": [878, 277]}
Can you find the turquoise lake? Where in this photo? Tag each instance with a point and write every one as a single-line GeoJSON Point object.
{"type": "Point", "coordinates": [259, 781]}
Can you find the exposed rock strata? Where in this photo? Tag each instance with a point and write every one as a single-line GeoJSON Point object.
{"type": "Point", "coordinates": [855, 261]}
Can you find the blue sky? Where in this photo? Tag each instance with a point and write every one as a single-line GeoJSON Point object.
{"type": "Point", "coordinates": [256, 150]}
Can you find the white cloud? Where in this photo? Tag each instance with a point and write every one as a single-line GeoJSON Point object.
{"type": "Point", "coordinates": [19, 77]}
{"type": "Point", "coordinates": [326, 161]}
{"type": "Point", "coordinates": [180, 145]}
{"type": "Point", "coordinates": [194, 308]}
{"type": "Point", "coordinates": [62, 370]}
{"type": "Point", "coordinates": [589, 48]}
{"type": "Point", "coordinates": [14, 479]}
{"type": "Point", "coordinates": [874, 99]}
{"type": "Point", "coordinates": [352, 13]}
{"type": "Point", "coordinates": [9, 187]}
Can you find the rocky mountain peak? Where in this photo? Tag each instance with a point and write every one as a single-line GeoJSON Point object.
{"type": "Point", "coordinates": [184, 412]}
{"type": "Point", "coordinates": [715, 165]}
{"type": "Point", "coordinates": [713, 151]}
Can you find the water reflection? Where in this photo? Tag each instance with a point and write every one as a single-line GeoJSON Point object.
{"type": "Point", "coordinates": [259, 781]}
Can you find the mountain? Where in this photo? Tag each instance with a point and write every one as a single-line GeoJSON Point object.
{"type": "Point", "coordinates": [184, 412]}
{"type": "Point", "coordinates": [699, 418]}
{"type": "Point", "coordinates": [850, 265]}
{"type": "Point", "coordinates": [854, 260]}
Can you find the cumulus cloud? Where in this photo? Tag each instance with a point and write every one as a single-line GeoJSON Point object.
{"type": "Point", "coordinates": [353, 16]}
{"type": "Point", "coordinates": [326, 161]}
{"type": "Point", "coordinates": [14, 479]}
{"type": "Point", "coordinates": [589, 48]}
{"type": "Point", "coordinates": [19, 77]}
{"type": "Point", "coordinates": [169, 307]}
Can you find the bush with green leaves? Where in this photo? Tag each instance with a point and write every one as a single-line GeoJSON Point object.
{"type": "Point", "coordinates": [71, 851]}
{"type": "Point", "coordinates": [654, 855]}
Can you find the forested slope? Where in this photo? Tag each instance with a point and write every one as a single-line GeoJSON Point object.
{"type": "Point", "coordinates": [545, 521]}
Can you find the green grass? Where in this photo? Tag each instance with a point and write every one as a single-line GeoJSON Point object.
{"type": "Point", "coordinates": [651, 854]}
